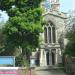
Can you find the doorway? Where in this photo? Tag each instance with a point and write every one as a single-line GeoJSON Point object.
{"type": "Point", "coordinates": [53, 58]}
{"type": "Point", "coordinates": [47, 57]}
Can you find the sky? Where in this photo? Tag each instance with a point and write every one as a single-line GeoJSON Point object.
{"type": "Point", "coordinates": [65, 6]}
{"type": "Point", "coordinates": [4, 16]}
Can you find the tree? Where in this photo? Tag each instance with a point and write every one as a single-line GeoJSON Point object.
{"type": "Point", "coordinates": [70, 48]}
{"type": "Point", "coordinates": [2, 36]}
{"type": "Point", "coordinates": [24, 24]}
{"type": "Point", "coordinates": [2, 39]}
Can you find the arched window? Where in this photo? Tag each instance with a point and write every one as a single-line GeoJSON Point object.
{"type": "Point", "coordinates": [53, 34]}
{"type": "Point", "coordinates": [45, 34]}
{"type": "Point", "coordinates": [49, 33]}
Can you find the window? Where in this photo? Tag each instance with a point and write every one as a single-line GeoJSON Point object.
{"type": "Point", "coordinates": [53, 34]}
{"type": "Point", "coordinates": [49, 33]}
{"type": "Point", "coordinates": [45, 34]}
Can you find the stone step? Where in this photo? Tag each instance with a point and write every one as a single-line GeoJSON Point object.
{"type": "Point", "coordinates": [48, 68]}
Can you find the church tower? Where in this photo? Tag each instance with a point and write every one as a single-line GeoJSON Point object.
{"type": "Point", "coordinates": [55, 5]}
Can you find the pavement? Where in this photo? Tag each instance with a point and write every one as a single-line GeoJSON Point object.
{"type": "Point", "coordinates": [48, 68]}
{"type": "Point", "coordinates": [48, 71]}
{"type": "Point", "coordinates": [51, 72]}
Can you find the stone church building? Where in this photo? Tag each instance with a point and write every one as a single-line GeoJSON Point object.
{"type": "Point", "coordinates": [50, 50]}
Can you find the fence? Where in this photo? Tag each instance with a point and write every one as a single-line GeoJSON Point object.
{"type": "Point", "coordinates": [15, 71]}
{"type": "Point", "coordinates": [70, 65]}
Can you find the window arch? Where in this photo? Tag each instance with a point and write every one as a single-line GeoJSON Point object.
{"type": "Point", "coordinates": [50, 33]}
{"type": "Point", "coordinates": [45, 34]}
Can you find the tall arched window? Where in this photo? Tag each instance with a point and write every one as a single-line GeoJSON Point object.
{"type": "Point", "coordinates": [45, 34]}
{"type": "Point", "coordinates": [49, 33]}
{"type": "Point", "coordinates": [53, 34]}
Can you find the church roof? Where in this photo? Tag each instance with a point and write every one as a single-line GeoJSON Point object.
{"type": "Point", "coordinates": [57, 14]}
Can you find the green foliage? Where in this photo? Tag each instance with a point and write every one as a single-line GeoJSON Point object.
{"type": "Point", "coordinates": [21, 61]}
{"type": "Point", "coordinates": [19, 28]}
{"type": "Point", "coordinates": [70, 48]}
{"type": "Point", "coordinates": [24, 25]}
{"type": "Point", "coordinates": [6, 4]}
{"type": "Point", "coordinates": [23, 5]}
{"type": "Point", "coordinates": [24, 22]}
{"type": "Point", "coordinates": [2, 39]}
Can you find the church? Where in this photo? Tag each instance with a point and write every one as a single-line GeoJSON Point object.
{"type": "Point", "coordinates": [52, 39]}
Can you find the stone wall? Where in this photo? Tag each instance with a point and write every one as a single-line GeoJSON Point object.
{"type": "Point", "coordinates": [70, 65]}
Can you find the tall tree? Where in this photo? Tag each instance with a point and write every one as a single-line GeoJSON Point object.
{"type": "Point", "coordinates": [24, 24]}
{"type": "Point", "coordinates": [70, 35]}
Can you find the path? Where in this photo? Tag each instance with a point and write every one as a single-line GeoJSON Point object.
{"type": "Point", "coordinates": [49, 72]}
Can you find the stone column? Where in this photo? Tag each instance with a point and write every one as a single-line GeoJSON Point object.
{"type": "Point", "coordinates": [41, 51]}
{"type": "Point", "coordinates": [59, 56]}
{"type": "Point", "coordinates": [42, 58]}
{"type": "Point", "coordinates": [45, 61]}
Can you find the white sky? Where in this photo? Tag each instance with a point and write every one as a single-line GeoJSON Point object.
{"type": "Point", "coordinates": [4, 16]}
{"type": "Point", "coordinates": [66, 5]}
